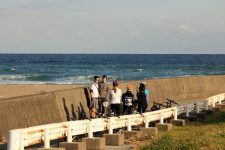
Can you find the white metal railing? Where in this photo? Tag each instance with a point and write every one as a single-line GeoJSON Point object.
{"type": "Point", "coordinates": [20, 138]}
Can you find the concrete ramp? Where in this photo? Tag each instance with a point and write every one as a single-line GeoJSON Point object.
{"type": "Point", "coordinates": [72, 103]}
{"type": "Point", "coordinates": [186, 89]}
{"type": "Point", "coordinates": [27, 111]}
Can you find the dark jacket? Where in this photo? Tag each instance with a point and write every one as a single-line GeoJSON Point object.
{"type": "Point", "coordinates": [142, 98]}
{"type": "Point", "coordinates": [128, 99]}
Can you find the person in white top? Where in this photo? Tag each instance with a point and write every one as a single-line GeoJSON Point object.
{"type": "Point", "coordinates": [115, 96]}
{"type": "Point", "coordinates": [94, 92]}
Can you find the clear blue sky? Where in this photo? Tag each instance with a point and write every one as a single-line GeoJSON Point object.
{"type": "Point", "coordinates": [112, 26]}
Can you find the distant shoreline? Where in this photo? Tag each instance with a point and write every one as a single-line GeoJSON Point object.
{"type": "Point", "coordinates": [14, 90]}
{"type": "Point", "coordinates": [85, 84]}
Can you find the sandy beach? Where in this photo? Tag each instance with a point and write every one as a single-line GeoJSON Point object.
{"type": "Point", "coordinates": [8, 91]}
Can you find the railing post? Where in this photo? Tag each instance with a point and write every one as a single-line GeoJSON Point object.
{"type": "Point", "coordinates": [175, 113]}
{"type": "Point", "coordinates": [22, 140]}
{"type": "Point", "coordinates": [69, 133]}
{"type": "Point", "coordinates": [219, 99]}
{"type": "Point", "coordinates": [161, 118]}
{"type": "Point", "coordinates": [187, 111]}
{"type": "Point", "coordinates": [222, 97]}
{"type": "Point", "coordinates": [128, 123]}
{"type": "Point", "coordinates": [90, 131]}
{"type": "Point", "coordinates": [146, 122]}
{"type": "Point", "coordinates": [110, 126]}
{"type": "Point", "coordinates": [14, 140]}
{"type": "Point", "coordinates": [46, 138]}
{"type": "Point", "coordinates": [214, 103]}
{"type": "Point", "coordinates": [206, 105]}
{"type": "Point", "coordinates": [197, 107]}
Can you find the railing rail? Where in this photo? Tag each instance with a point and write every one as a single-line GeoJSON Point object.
{"type": "Point", "coordinates": [20, 138]}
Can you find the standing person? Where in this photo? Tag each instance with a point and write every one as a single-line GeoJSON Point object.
{"type": "Point", "coordinates": [128, 101]}
{"type": "Point", "coordinates": [94, 91]}
{"type": "Point", "coordinates": [146, 91]}
{"type": "Point", "coordinates": [142, 100]}
{"type": "Point", "coordinates": [103, 93]}
{"type": "Point", "coordinates": [115, 96]}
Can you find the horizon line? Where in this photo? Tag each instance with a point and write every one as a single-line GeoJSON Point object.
{"type": "Point", "coordinates": [115, 53]}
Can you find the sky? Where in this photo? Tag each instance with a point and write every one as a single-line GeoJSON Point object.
{"type": "Point", "coordinates": [112, 26]}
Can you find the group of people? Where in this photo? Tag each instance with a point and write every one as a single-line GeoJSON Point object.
{"type": "Point", "coordinates": [105, 101]}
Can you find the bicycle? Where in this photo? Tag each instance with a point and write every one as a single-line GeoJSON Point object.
{"type": "Point", "coordinates": [157, 106]}
{"type": "Point", "coordinates": [170, 102]}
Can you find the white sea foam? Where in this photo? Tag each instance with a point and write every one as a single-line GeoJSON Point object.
{"type": "Point", "coordinates": [82, 79]}
{"type": "Point", "coordinates": [23, 79]}
{"type": "Point", "coordinates": [22, 82]}
{"type": "Point", "coordinates": [140, 70]}
{"type": "Point", "coordinates": [18, 79]}
{"type": "Point", "coordinates": [12, 77]}
{"type": "Point", "coordinates": [75, 79]}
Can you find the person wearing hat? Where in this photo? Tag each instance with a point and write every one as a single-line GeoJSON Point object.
{"type": "Point", "coordinates": [115, 96]}
{"type": "Point", "coordinates": [128, 100]}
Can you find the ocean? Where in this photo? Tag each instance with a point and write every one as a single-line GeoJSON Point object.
{"type": "Point", "coordinates": [80, 68]}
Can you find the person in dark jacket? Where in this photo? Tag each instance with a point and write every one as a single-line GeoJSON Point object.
{"type": "Point", "coordinates": [142, 101]}
{"type": "Point", "coordinates": [128, 100]}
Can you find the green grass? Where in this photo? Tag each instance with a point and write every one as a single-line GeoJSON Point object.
{"type": "Point", "coordinates": [209, 134]}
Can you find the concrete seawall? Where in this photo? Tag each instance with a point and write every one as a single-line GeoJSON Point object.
{"type": "Point", "coordinates": [58, 106]}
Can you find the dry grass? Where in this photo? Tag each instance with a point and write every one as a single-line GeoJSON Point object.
{"type": "Point", "coordinates": [207, 135]}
